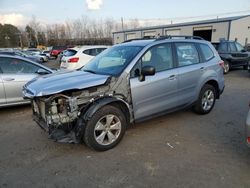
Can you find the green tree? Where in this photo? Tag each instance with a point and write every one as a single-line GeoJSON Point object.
{"type": "Point", "coordinates": [9, 36]}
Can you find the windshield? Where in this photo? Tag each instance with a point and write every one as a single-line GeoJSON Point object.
{"type": "Point", "coordinates": [113, 60]}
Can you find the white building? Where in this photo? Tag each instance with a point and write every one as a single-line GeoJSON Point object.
{"type": "Point", "coordinates": [231, 28]}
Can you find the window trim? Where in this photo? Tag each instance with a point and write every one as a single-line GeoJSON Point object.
{"type": "Point", "coordinates": [21, 73]}
{"type": "Point", "coordinates": [139, 60]}
{"type": "Point", "coordinates": [197, 49]}
{"type": "Point", "coordinates": [203, 56]}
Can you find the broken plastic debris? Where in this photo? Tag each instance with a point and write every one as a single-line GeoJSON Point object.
{"type": "Point", "coordinates": [170, 145]}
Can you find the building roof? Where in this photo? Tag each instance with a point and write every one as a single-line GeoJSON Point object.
{"type": "Point", "coordinates": [210, 21]}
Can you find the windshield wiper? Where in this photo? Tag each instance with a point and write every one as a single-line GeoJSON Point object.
{"type": "Point", "coordinates": [91, 71]}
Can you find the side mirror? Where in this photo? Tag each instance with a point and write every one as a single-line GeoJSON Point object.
{"type": "Point", "coordinates": [243, 50]}
{"type": "Point", "coordinates": [42, 72]}
{"type": "Point", "coordinates": [146, 71]}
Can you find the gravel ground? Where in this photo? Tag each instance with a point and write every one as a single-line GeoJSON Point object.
{"type": "Point", "coordinates": [181, 149]}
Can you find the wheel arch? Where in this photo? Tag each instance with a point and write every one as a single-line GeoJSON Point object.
{"type": "Point", "coordinates": [90, 110]}
{"type": "Point", "coordinates": [215, 84]}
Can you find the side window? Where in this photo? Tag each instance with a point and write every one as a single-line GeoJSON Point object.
{"type": "Point", "coordinates": [14, 66]}
{"type": "Point", "coordinates": [187, 54]}
{"type": "Point", "coordinates": [99, 50]}
{"type": "Point", "coordinates": [87, 52]}
{"type": "Point", "coordinates": [207, 52]}
{"type": "Point", "coordinates": [232, 47]}
{"type": "Point", "coordinates": [159, 56]}
{"type": "Point", "coordinates": [223, 47]}
{"type": "Point", "coordinates": [239, 47]}
{"type": "Point", "coordinates": [91, 52]}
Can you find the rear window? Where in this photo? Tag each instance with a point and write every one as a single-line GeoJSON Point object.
{"type": "Point", "coordinates": [223, 47]}
{"type": "Point", "coordinates": [69, 53]}
{"type": "Point", "coordinates": [207, 52]}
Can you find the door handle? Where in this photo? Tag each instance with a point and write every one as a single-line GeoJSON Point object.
{"type": "Point", "coordinates": [172, 77]}
{"type": "Point", "coordinates": [8, 79]}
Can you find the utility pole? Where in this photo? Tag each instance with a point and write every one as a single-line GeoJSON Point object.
{"type": "Point", "coordinates": [122, 23]}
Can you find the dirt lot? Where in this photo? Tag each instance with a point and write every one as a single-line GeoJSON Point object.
{"type": "Point", "coordinates": [177, 150]}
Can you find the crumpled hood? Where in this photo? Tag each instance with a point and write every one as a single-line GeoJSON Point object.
{"type": "Point", "coordinates": [62, 81]}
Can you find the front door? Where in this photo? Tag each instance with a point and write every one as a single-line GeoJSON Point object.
{"type": "Point", "coordinates": [15, 74]}
{"type": "Point", "coordinates": [157, 93]}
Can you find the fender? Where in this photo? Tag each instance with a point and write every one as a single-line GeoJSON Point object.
{"type": "Point", "coordinates": [99, 103]}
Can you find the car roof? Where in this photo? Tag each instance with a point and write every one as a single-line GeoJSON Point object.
{"type": "Point", "coordinates": [145, 42]}
{"type": "Point", "coordinates": [77, 48]}
{"type": "Point", "coordinates": [26, 59]}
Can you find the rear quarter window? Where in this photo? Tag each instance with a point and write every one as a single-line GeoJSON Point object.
{"type": "Point", "coordinates": [69, 53]}
{"type": "Point", "coordinates": [207, 52]}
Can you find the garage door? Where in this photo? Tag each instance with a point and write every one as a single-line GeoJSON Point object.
{"type": "Point", "coordinates": [130, 36]}
{"type": "Point", "coordinates": [173, 32]}
{"type": "Point", "coordinates": [149, 33]}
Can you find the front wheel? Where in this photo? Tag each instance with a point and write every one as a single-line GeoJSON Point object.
{"type": "Point", "coordinates": [206, 100]}
{"type": "Point", "coordinates": [105, 129]}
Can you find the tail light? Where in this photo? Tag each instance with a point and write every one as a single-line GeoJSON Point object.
{"type": "Point", "coordinates": [248, 140]}
{"type": "Point", "coordinates": [221, 63]}
{"type": "Point", "coordinates": [73, 60]}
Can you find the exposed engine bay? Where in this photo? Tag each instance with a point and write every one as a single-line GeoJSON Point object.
{"type": "Point", "coordinates": [61, 114]}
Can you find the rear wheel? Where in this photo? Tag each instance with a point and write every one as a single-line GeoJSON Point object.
{"type": "Point", "coordinates": [206, 100]}
{"type": "Point", "coordinates": [226, 67]}
{"type": "Point", "coordinates": [245, 67]}
{"type": "Point", "coordinates": [105, 129]}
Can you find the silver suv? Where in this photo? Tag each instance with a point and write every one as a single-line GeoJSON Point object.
{"type": "Point", "coordinates": [127, 83]}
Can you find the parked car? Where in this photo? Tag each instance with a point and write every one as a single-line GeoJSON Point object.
{"type": "Point", "coordinates": [127, 83]}
{"type": "Point", "coordinates": [46, 52]}
{"type": "Point", "coordinates": [248, 128]}
{"type": "Point", "coordinates": [247, 47]}
{"type": "Point", "coordinates": [43, 58]}
{"type": "Point", "coordinates": [22, 54]}
{"type": "Point", "coordinates": [56, 50]}
{"type": "Point", "coordinates": [233, 54]}
{"type": "Point", "coordinates": [75, 58]}
{"type": "Point", "coordinates": [15, 72]}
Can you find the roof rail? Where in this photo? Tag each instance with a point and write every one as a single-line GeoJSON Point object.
{"type": "Point", "coordinates": [178, 37]}
{"type": "Point", "coordinates": [143, 38]}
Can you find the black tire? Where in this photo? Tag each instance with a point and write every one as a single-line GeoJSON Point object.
{"type": "Point", "coordinates": [199, 107]}
{"type": "Point", "coordinates": [90, 136]}
{"type": "Point", "coordinates": [245, 67]}
{"type": "Point", "coordinates": [227, 67]}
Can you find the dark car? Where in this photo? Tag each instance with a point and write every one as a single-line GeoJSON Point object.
{"type": "Point", "coordinates": [233, 54]}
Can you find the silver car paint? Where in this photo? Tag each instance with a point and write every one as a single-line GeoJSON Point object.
{"type": "Point", "coordinates": [11, 84]}
{"type": "Point", "coordinates": [63, 81]}
{"type": "Point", "coordinates": [248, 127]}
{"type": "Point", "coordinates": [157, 93]}
{"type": "Point", "coordinates": [2, 92]}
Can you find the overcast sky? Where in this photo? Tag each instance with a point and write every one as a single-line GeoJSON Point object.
{"type": "Point", "coordinates": [19, 12]}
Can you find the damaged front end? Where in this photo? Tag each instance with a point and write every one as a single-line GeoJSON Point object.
{"type": "Point", "coordinates": [57, 115]}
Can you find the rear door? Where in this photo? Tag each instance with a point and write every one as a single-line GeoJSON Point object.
{"type": "Point", "coordinates": [157, 93]}
{"type": "Point", "coordinates": [189, 71]}
{"type": "Point", "coordinates": [239, 57]}
{"type": "Point", "coordinates": [2, 91]}
{"type": "Point", "coordinates": [16, 73]}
